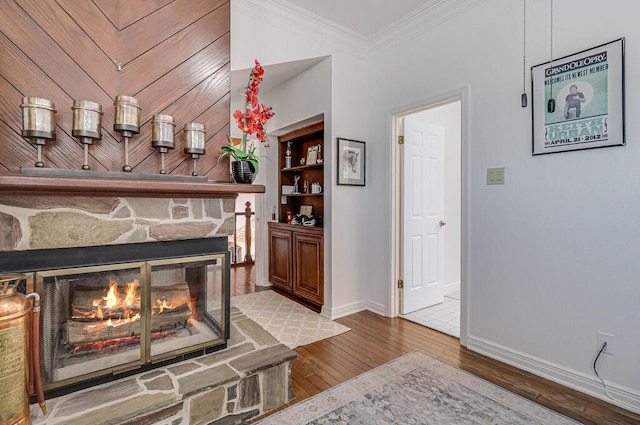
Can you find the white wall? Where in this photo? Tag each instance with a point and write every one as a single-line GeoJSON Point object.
{"type": "Point", "coordinates": [277, 36]}
{"type": "Point", "coordinates": [553, 251]}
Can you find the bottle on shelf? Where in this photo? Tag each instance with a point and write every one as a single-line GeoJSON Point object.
{"type": "Point", "coordinates": [287, 156]}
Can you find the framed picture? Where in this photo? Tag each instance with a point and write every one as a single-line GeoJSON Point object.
{"type": "Point", "coordinates": [578, 100]}
{"type": "Point", "coordinates": [312, 155]}
{"type": "Point", "coordinates": [306, 210]}
{"type": "Point", "coordinates": [351, 162]}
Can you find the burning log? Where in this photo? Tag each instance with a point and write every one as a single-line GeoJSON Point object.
{"type": "Point", "coordinates": [78, 332]}
{"type": "Point", "coordinates": [101, 314]}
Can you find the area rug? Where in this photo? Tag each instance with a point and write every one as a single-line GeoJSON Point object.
{"type": "Point", "coordinates": [416, 389]}
{"type": "Point", "coordinates": [289, 322]}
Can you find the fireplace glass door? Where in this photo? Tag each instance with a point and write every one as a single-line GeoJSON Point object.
{"type": "Point", "coordinates": [111, 319]}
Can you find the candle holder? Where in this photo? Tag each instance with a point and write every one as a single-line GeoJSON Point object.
{"type": "Point", "coordinates": [127, 122]}
{"type": "Point", "coordinates": [162, 136]}
{"type": "Point", "coordinates": [87, 125]}
{"type": "Point", "coordinates": [194, 146]}
{"type": "Point", "coordinates": [38, 123]}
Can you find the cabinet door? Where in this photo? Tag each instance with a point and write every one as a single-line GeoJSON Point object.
{"type": "Point", "coordinates": [280, 257]}
{"type": "Point", "coordinates": [308, 274]}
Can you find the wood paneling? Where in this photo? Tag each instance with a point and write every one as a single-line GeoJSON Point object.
{"type": "Point", "coordinates": [173, 55]}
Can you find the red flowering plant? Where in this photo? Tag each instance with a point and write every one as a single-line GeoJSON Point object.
{"type": "Point", "coordinates": [251, 121]}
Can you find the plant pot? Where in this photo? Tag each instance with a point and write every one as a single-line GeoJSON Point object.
{"type": "Point", "coordinates": [243, 172]}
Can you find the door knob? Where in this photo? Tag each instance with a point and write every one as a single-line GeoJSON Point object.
{"type": "Point", "coordinates": [442, 223]}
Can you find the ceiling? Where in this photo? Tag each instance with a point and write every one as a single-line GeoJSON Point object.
{"type": "Point", "coordinates": [365, 17]}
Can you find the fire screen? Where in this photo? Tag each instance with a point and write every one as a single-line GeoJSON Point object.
{"type": "Point", "coordinates": [114, 318]}
{"type": "Point", "coordinates": [109, 311]}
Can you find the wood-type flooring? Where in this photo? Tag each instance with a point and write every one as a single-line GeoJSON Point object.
{"type": "Point", "coordinates": [375, 340]}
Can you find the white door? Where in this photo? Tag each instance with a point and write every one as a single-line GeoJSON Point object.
{"type": "Point", "coordinates": [422, 209]}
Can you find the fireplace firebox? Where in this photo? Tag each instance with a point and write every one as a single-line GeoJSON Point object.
{"type": "Point", "coordinates": [110, 311]}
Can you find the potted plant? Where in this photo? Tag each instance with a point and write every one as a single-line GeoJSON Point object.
{"type": "Point", "coordinates": [245, 165]}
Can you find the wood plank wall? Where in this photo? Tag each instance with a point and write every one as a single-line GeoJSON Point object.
{"type": "Point", "coordinates": [173, 55]}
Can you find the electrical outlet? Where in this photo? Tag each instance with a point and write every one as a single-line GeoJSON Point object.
{"type": "Point", "coordinates": [609, 339]}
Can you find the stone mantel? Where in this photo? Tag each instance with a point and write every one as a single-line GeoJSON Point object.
{"type": "Point", "coordinates": [19, 184]}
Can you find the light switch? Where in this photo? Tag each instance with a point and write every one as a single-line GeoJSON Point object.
{"type": "Point", "coordinates": [495, 175]}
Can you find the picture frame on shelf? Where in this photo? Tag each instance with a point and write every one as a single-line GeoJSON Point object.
{"type": "Point", "coordinates": [306, 210]}
{"type": "Point", "coordinates": [312, 155]}
{"type": "Point", "coordinates": [351, 162]}
{"type": "Point", "coordinates": [578, 100]}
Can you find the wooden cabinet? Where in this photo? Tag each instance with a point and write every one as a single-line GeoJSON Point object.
{"type": "Point", "coordinates": [296, 252]}
{"type": "Point", "coordinates": [281, 258]}
{"type": "Point", "coordinates": [296, 261]}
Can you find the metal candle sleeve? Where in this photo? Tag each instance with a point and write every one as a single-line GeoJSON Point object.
{"type": "Point", "coordinates": [127, 122]}
{"type": "Point", "coordinates": [87, 125]}
{"type": "Point", "coordinates": [17, 362]}
{"type": "Point", "coordinates": [38, 123]}
{"type": "Point", "coordinates": [162, 128]}
{"type": "Point", "coordinates": [194, 146]}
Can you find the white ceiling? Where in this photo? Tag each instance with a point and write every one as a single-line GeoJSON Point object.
{"type": "Point", "coordinates": [365, 17]}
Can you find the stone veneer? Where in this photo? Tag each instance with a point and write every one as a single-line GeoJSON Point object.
{"type": "Point", "coordinates": [40, 222]}
{"type": "Point", "coordinates": [252, 376]}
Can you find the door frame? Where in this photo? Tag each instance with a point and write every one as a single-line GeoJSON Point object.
{"type": "Point", "coordinates": [463, 95]}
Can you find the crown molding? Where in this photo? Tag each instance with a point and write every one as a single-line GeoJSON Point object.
{"type": "Point", "coordinates": [289, 17]}
{"type": "Point", "coordinates": [424, 19]}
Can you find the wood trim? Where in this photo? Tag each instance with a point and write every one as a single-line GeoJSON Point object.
{"type": "Point", "coordinates": [310, 129]}
{"type": "Point", "coordinates": [71, 186]}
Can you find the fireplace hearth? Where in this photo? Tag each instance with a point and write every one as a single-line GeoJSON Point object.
{"type": "Point", "coordinates": [114, 310]}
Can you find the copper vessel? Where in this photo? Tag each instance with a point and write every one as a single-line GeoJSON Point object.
{"type": "Point", "coordinates": [18, 347]}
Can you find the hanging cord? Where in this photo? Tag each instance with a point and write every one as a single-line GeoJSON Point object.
{"type": "Point", "coordinates": [604, 386]}
{"type": "Point", "coordinates": [523, 98]}
{"type": "Point", "coordinates": [551, 105]}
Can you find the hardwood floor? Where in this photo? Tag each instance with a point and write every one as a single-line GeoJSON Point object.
{"type": "Point", "coordinates": [374, 340]}
{"type": "Point", "coordinates": [243, 280]}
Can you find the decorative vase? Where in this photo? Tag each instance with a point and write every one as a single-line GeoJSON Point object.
{"type": "Point", "coordinates": [243, 172]}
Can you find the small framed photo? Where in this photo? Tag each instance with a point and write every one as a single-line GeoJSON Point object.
{"type": "Point", "coordinates": [312, 155]}
{"type": "Point", "coordinates": [578, 100]}
{"type": "Point", "coordinates": [351, 162]}
{"type": "Point", "coordinates": [306, 210]}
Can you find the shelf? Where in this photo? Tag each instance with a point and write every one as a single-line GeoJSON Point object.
{"type": "Point", "coordinates": [303, 194]}
{"type": "Point", "coordinates": [18, 184]}
{"type": "Point", "coordinates": [301, 168]}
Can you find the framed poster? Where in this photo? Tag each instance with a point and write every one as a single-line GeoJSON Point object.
{"type": "Point", "coordinates": [578, 100]}
{"type": "Point", "coordinates": [351, 162]}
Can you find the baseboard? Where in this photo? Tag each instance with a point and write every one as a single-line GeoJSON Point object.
{"type": "Point", "coordinates": [345, 310]}
{"type": "Point", "coordinates": [451, 287]}
{"type": "Point", "coordinates": [377, 308]}
{"type": "Point", "coordinates": [569, 378]}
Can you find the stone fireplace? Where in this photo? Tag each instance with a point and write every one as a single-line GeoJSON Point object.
{"type": "Point", "coordinates": [116, 309]}
{"type": "Point", "coordinates": [133, 277]}
{"type": "Point", "coordinates": [126, 283]}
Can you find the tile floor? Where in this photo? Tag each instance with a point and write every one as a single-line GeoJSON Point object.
{"type": "Point", "coordinates": [443, 317]}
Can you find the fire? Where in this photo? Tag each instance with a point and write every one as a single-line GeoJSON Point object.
{"type": "Point", "coordinates": [130, 299]}
{"type": "Point", "coordinates": [161, 305]}
{"type": "Point", "coordinates": [112, 296]}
